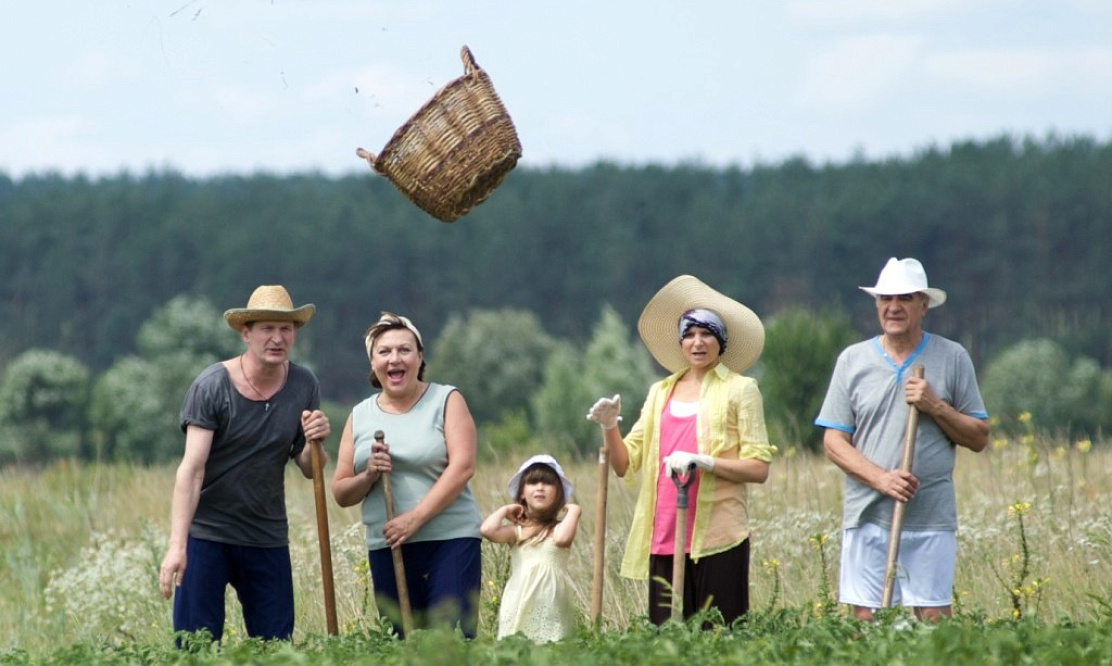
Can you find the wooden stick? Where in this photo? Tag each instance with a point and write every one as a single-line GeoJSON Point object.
{"type": "Point", "coordinates": [598, 580]}
{"type": "Point", "coordinates": [679, 544]}
{"type": "Point", "coordinates": [316, 451]}
{"type": "Point", "coordinates": [396, 553]}
{"type": "Point", "coordinates": [899, 507]}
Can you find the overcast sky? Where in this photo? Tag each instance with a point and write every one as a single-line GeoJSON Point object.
{"type": "Point", "coordinates": [207, 87]}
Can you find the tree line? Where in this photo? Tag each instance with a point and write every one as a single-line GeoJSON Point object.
{"type": "Point", "coordinates": [1014, 228]}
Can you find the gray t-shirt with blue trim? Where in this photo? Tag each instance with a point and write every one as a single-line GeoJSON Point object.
{"type": "Point", "coordinates": [866, 399]}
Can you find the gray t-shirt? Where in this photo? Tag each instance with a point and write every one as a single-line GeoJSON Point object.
{"type": "Point", "coordinates": [243, 499]}
{"type": "Point", "coordinates": [418, 456]}
{"type": "Point", "coordinates": [866, 399]}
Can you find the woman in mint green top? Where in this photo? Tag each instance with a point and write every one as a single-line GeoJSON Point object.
{"type": "Point", "coordinates": [429, 452]}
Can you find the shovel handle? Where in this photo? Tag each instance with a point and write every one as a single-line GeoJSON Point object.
{"type": "Point", "coordinates": [898, 507]}
{"type": "Point", "coordinates": [396, 553]}
{"type": "Point", "coordinates": [597, 580]}
{"type": "Point", "coordinates": [679, 544]}
{"type": "Point", "coordinates": [316, 452]}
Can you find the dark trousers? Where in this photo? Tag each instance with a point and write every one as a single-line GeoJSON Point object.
{"type": "Point", "coordinates": [261, 577]}
{"type": "Point", "coordinates": [443, 579]}
{"type": "Point", "coordinates": [722, 580]}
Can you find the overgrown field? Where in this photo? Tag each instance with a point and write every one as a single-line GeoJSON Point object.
{"type": "Point", "coordinates": [81, 547]}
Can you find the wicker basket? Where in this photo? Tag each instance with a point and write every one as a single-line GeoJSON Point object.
{"type": "Point", "coordinates": [455, 150]}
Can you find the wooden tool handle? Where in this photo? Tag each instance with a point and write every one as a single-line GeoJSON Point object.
{"type": "Point", "coordinates": [316, 452]}
{"type": "Point", "coordinates": [396, 553]}
{"type": "Point", "coordinates": [898, 507]}
{"type": "Point", "coordinates": [599, 577]}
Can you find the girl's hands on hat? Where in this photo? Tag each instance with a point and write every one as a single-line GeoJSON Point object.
{"type": "Point", "coordinates": [606, 412]}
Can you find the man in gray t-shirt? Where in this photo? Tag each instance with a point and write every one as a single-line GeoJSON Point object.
{"type": "Point", "coordinates": [865, 414]}
{"type": "Point", "coordinates": [244, 419]}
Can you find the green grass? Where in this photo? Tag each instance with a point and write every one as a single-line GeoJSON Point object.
{"type": "Point", "coordinates": [80, 548]}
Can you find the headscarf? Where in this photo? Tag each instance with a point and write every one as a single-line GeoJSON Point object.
{"type": "Point", "coordinates": [708, 320]}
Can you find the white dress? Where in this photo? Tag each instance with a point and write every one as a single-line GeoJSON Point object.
{"type": "Point", "coordinates": [539, 599]}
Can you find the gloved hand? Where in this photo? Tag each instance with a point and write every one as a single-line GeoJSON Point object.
{"type": "Point", "coordinates": [680, 461]}
{"type": "Point", "coordinates": [607, 412]}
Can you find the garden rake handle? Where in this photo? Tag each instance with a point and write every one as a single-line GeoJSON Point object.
{"type": "Point", "coordinates": [899, 507]}
{"type": "Point", "coordinates": [316, 451]}
{"type": "Point", "coordinates": [600, 537]}
{"type": "Point", "coordinates": [679, 545]}
{"type": "Point", "coordinates": [396, 553]}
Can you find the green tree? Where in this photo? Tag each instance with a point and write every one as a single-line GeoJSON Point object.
{"type": "Point", "coordinates": [800, 350]}
{"type": "Point", "coordinates": [135, 403]}
{"type": "Point", "coordinates": [613, 362]}
{"type": "Point", "coordinates": [1039, 378]}
{"type": "Point", "coordinates": [42, 407]}
{"type": "Point", "coordinates": [495, 357]}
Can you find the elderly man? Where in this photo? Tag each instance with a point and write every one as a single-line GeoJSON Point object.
{"type": "Point", "coordinates": [865, 415]}
{"type": "Point", "coordinates": [244, 419]}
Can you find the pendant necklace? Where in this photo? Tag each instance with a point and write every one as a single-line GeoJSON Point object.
{"type": "Point", "coordinates": [266, 407]}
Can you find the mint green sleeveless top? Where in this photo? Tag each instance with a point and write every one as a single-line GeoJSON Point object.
{"type": "Point", "coordinates": [419, 456]}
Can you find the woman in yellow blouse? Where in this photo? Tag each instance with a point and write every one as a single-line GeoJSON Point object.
{"type": "Point", "coordinates": [704, 414]}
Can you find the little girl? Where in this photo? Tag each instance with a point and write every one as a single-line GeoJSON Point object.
{"type": "Point", "coordinates": [539, 598]}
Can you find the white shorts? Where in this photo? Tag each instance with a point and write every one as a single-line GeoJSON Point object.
{"type": "Point", "coordinates": [924, 568]}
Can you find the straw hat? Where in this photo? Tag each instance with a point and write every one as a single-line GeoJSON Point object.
{"type": "Point", "coordinates": [659, 324]}
{"type": "Point", "coordinates": [269, 303]}
{"type": "Point", "coordinates": [905, 276]}
{"type": "Point", "coordinates": [544, 459]}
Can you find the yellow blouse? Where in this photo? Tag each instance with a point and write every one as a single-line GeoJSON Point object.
{"type": "Point", "coordinates": [730, 424]}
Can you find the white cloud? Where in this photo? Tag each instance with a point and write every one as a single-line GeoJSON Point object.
{"type": "Point", "coordinates": [856, 71]}
{"type": "Point", "coordinates": [1023, 71]}
{"type": "Point", "coordinates": [831, 12]}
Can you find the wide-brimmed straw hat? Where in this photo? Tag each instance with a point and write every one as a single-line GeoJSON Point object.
{"type": "Point", "coordinates": [269, 303]}
{"type": "Point", "coordinates": [905, 276]}
{"type": "Point", "coordinates": [542, 459]}
{"type": "Point", "coordinates": [659, 324]}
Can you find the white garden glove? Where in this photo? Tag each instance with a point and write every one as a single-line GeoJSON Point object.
{"type": "Point", "coordinates": [680, 461]}
{"type": "Point", "coordinates": [607, 412]}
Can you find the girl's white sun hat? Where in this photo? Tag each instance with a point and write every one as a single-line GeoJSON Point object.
{"type": "Point", "coordinates": [543, 459]}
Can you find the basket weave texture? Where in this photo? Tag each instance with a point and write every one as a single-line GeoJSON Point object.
{"type": "Point", "coordinates": [452, 154]}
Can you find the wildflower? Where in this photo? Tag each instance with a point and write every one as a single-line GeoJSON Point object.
{"type": "Point", "coordinates": [1019, 509]}
{"type": "Point", "coordinates": [999, 443]}
{"type": "Point", "coordinates": [1084, 445]}
{"type": "Point", "coordinates": [1025, 418]}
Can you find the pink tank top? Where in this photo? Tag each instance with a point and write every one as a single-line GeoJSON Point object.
{"type": "Point", "coordinates": [677, 433]}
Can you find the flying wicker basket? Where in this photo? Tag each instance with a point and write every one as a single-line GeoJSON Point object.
{"type": "Point", "coordinates": [455, 150]}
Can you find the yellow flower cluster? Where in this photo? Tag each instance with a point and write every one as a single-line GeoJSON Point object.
{"type": "Point", "coordinates": [1019, 509]}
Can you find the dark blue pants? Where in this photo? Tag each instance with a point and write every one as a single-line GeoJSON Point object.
{"type": "Point", "coordinates": [443, 579]}
{"type": "Point", "coordinates": [263, 581]}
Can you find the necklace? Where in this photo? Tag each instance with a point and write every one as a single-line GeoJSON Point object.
{"type": "Point", "coordinates": [890, 350]}
{"type": "Point", "coordinates": [266, 407]}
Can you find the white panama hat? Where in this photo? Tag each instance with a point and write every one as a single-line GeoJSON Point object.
{"type": "Point", "coordinates": [905, 276]}
{"type": "Point", "coordinates": [541, 459]}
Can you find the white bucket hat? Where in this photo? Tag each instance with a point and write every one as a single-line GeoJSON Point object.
{"type": "Point", "coordinates": [905, 276]}
{"type": "Point", "coordinates": [543, 459]}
